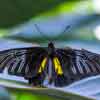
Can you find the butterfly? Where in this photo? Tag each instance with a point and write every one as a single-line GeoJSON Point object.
{"type": "Point", "coordinates": [60, 66]}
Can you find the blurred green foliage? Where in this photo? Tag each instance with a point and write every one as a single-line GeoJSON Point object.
{"type": "Point", "coordinates": [17, 11]}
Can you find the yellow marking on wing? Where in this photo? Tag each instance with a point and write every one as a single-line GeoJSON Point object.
{"type": "Point", "coordinates": [42, 65]}
{"type": "Point", "coordinates": [57, 66]}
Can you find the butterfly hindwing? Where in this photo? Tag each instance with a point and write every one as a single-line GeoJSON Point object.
{"type": "Point", "coordinates": [39, 78]}
{"type": "Point", "coordinates": [62, 67]}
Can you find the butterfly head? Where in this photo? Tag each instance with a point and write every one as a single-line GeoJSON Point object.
{"type": "Point", "coordinates": [51, 45]}
{"type": "Point", "coordinates": [51, 48]}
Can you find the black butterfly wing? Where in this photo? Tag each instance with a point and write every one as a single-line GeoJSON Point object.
{"type": "Point", "coordinates": [76, 65]}
{"type": "Point", "coordinates": [23, 61]}
{"type": "Point", "coordinates": [88, 63]}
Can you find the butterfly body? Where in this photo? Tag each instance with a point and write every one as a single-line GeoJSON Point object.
{"type": "Point", "coordinates": [51, 49]}
{"type": "Point", "coordinates": [60, 66]}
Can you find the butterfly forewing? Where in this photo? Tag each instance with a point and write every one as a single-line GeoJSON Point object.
{"type": "Point", "coordinates": [77, 64]}
{"type": "Point", "coordinates": [89, 62]}
{"type": "Point", "coordinates": [23, 61]}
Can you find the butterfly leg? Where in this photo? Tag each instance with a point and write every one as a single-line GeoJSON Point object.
{"type": "Point", "coordinates": [29, 81]}
{"type": "Point", "coordinates": [36, 81]}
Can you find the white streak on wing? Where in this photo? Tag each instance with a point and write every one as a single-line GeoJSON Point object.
{"type": "Point", "coordinates": [2, 64]}
{"type": "Point", "coordinates": [90, 65]}
{"type": "Point", "coordinates": [20, 67]}
{"type": "Point", "coordinates": [93, 67]}
{"type": "Point", "coordinates": [79, 65]}
{"type": "Point", "coordinates": [73, 69]}
{"type": "Point", "coordinates": [85, 65]}
{"type": "Point", "coordinates": [96, 65]}
{"type": "Point", "coordinates": [14, 65]}
{"type": "Point", "coordinates": [26, 69]}
{"type": "Point", "coordinates": [78, 53]}
{"type": "Point", "coordinates": [10, 62]}
{"type": "Point", "coordinates": [2, 58]}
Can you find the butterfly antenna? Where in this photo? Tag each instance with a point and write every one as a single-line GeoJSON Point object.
{"type": "Point", "coordinates": [66, 28]}
{"type": "Point", "coordinates": [38, 29]}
